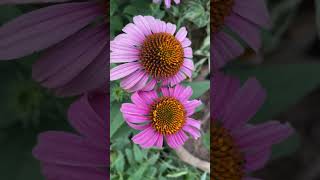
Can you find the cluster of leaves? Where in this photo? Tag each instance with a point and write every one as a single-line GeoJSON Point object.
{"type": "Point", "coordinates": [131, 162]}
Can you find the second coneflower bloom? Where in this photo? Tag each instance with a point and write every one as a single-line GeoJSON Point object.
{"type": "Point", "coordinates": [245, 18]}
{"type": "Point", "coordinates": [162, 116]}
{"type": "Point", "coordinates": [150, 51]}
{"type": "Point", "coordinates": [239, 148]}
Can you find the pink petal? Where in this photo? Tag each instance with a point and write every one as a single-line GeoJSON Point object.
{"type": "Point", "coordinates": [123, 70]}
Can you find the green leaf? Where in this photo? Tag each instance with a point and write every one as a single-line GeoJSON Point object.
{"type": "Point", "coordinates": [131, 10]}
{"type": "Point", "coordinates": [199, 88]}
{"type": "Point", "coordinates": [129, 156]}
{"type": "Point", "coordinates": [206, 140]}
{"type": "Point", "coordinates": [115, 118]}
{"type": "Point", "coordinates": [116, 24]}
{"type": "Point", "coordinates": [197, 14]}
{"type": "Point", "coordinates": [113, 7]}
{"type": "Point", "coordinates": [153, 159]}
{"type": "Point", "coordinates": [123, 131]}
{"type": "Point", "coordinates": [139, 173]}
{"type": "Point", "coordinates": [119, 162]}
{"type": "Point", "coordinates": [138, 154]}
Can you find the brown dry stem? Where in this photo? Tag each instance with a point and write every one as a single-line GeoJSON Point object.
{"type": "Point", "coordinates": [188, 158]}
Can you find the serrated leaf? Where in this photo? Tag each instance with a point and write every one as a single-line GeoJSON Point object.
{"type": "Point", "coordinates": [119, 162]}
{"type": "Point", "coordinates": [139, 173]}
{"type": "Point", "coordinates": [153, 159]}
{"type": "Point", "coordinates": [138, 154]}
{"type": "Point", "coordinates": [129, 156]}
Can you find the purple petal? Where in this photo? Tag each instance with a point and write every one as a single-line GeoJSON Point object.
{"type": "Point", "coordinates": [253, 10]}
{"type": "Point", "coordinates": [63, 62]}
{"type": "Point", "coordinates": [244, 104]}
{"type": "Point", "coordinates": [224, 88]}
{"type": "Point", "coordinates": [129, 108]}
{"type": "Point", "coordinates": [224, 49]}
{"type": "Point", "coordinates": [91, 78]}
{"type": "Point", "coordinates": [85, 119]}
{"type": "Point", "coordinates": [45, 27]}
{"type": "Point", "coordinates": [248, 31]}
{"type": "Point", "coordinates": [123, 70]}
{"type": "Point", "coordinates": [72, 150]}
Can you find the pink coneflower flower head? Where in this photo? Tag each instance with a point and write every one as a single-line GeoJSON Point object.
{"type": "Point", "coordinates": [76, 41]}
{"type": "Point", "coordinates": [78, 156]}
{"type": "Point", "coordinates": [150, 51]}
{"type": "Point", "coordinates": [162, 116]}
{"type": "Point", "coordinates": [167, 2]}
{"type": "Point", "coordinates": [239, 148]}
{"type": "Point", "coordinates": [244, 18]}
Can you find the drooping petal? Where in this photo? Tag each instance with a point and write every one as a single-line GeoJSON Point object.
{"type": "Point", "coordinates": [63, 62]}
{"type": "Point", "coordinates": [45, 27]}
{"type": "Point", "coordinates": [91, 78]}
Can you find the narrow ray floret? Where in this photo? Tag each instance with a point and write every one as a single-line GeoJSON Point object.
{"type": "Point", "coordinates": [165, 115]}
{"type": "Point", "coordinates": [167, 2]}
{"type": "Point", "coordinates": [244, 18]}
{"type": "Point", "coordinates": [74, 38]}
{"type": "Point", "coordinates": [239, 148]}
{"type": "Point", "coordinates": [81, 155]}
{"type": "Point", "coordinates": [150, 51]}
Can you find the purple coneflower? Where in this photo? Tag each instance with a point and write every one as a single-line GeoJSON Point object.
{"type": "Point", "coordinates": [77, 39]}
{"type": "Point", "coordinates": [150, 50]}
{"type": "Point", "coordinates": [242, 17]}
{"type": "Point", "coordinates": [239, 148]}
{"type": "Point", "coordinates": [72, 156]}
{"type": "Point", "coordinates": [167, 2]}
{"type": "Point", "coordinates": [164, 116]}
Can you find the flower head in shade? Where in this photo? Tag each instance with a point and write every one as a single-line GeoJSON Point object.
{"type": "Point", "coordinates": [162, 116]}
{"type": "Point", "coordinates": [245, 18]}
{"type": "Point", "coordinates": [239, 148]}
{"type": "Point", "coordinates": [74, 37]}
{"type": "Point", "coordinates": [167, 2]}
{"type": "Point", "coordinates": [149, 51]}
{"type": "Point", "coordinates": [78, 156]}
